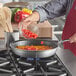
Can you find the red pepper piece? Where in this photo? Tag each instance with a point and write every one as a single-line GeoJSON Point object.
{"type": "Point", "coordinates": [42, 42]}
{"type": "Point", "coordinates": [24, 35]}
{"type": "Point", "coordinates": [30, 36]}
{"type": "Point", "coordinates": [34, 36]}
{"type": "Point", "coordinates": [18, 16]}
{"type": "Point", "coordinates": [29, 48]}
{"type": "Point", "coordinates": [24, 31]}
{"type": "Point", "coordinates": [33, 48]}
{"type": "Point", "coordinates": [27, 32]}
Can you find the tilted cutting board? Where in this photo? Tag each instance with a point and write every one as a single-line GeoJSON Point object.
{"type": "Point", "coordinates": [45, 29]}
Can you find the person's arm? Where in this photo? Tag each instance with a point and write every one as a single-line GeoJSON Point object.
{"type": "Point", "coordinates": [52, 9]}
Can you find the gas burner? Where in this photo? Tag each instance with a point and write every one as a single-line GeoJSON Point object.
{"type": "Point", "coordinates": [12, 65]}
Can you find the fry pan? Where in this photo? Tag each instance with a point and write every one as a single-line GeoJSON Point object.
{"type": "Point", "coordinates": [34, 53]}
{"type": "Point", "coordinates": [28, 53]}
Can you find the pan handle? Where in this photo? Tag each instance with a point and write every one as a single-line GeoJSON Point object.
{"type": "Point", "coordinates": [60, 43]}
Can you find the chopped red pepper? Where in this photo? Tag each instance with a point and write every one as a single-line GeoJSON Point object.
{"type": "Point", "coordinates": [29, 34]}
{"type": "Point", "coordinates": [34, 36]}
{"type": "Point", "coordinates": [24, 35]}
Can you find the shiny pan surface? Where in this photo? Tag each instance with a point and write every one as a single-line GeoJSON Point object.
{"type": "Point", "coordinates": [34, 53]}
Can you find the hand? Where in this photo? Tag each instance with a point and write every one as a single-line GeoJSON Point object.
{"type": "Point", "coordinates": [34, 17]}
{"type": "Point", "coordinates": [73, 38]}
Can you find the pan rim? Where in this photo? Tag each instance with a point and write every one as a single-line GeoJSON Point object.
{"type": "Point", "coordinates": [13, 43]}
{"type": "Point", "coordinates": [34, 54]}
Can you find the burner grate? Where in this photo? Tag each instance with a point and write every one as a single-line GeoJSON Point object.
{"type": "Point", "coordinates": [17, 66]}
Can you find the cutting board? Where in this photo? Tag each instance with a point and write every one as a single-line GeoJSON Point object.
{"type": "Point", "coordinates": [45, 29]}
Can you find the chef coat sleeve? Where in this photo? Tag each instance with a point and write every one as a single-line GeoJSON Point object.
{"type": "Point", "coordinates": [52, 9]}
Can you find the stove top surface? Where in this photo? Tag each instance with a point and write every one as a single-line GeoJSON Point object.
{"type": "Point", "coordinates": [12, 65]}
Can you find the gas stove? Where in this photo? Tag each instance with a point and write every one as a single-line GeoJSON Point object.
{"type": "Point", "coordinates": [12, 65]}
